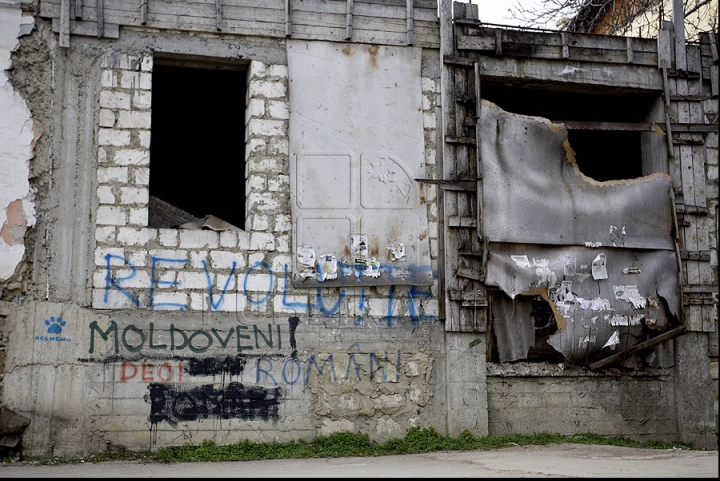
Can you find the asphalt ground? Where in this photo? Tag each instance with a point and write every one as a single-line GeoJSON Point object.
{"type": "Point", "coordinates": [548, 461]}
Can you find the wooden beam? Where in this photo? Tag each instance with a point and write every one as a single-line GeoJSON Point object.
{"type": "Point", "coordinates": [64, 39]}
{"type": "Point", "coordinates": [100, 6]}
{"type": "Point", "coordinates": [349, 19]}
{"type": "Point", "coordinates": [460, 185]}
{"type": "Point", "coordinates": [629, 50]}
{"type": "Point", "coordinates": [468, 273]}
{"type": "Point", "coordinates": [565, 48]}
{"type": "Point", "coordinates": [639, 347]}
{"type": "Point", "coordinates": [679, 28]}
{"type": "Point", "coordinates": [78, 9]}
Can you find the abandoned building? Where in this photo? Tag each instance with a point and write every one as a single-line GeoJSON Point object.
{"type": "Point", "coordinates": [274, 220]}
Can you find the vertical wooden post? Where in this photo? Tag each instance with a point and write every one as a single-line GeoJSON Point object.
{"type": "Point", "coordinates": [629, 50]}
{"type": "Point", "coordinates": [565, 48]}
{"type": "Point", "coordinates": [410, 16]}
{"type": "Point", "coordinates": [349, 19]}
{"type": "Point", "coordinates": [100, 18]}
{"type": "Point", "coordinates": [679, 24]}
{"type": "Point", "coordinates": [64, 23]}
{"type": "Point", "coordinates": [478, 158]}
{"type": "Point", "coordinates": [498, 41]}
{"type": "Point", "coordinates": [288, 21]}
{"type": "Point", "coordinates": [143, 11]}
{"type": "Point", "coordinates": [78, 9]}
{"type": "Point", "coordinates": [218, 15]}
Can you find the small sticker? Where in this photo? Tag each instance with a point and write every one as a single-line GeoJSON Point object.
{"type": "Point", "coordinates": [630, 294]}
{"type": "Point", "coordinates": [599, 268]}
{"type": "Point", "coordinates": [631, 270]}
{"type": "Point", "coordinates": [358, 244]}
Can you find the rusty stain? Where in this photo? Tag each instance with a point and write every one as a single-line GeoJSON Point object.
{"type": "Point", "coordinates": [373, 55]}
{"type": "Point", "coordinates": [422, 236]}
{"type": "Point", "coordinates": [347, 50]}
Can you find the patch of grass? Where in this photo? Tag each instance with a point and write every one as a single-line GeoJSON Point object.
{"type": "Point", "coordinates": [344, 444]}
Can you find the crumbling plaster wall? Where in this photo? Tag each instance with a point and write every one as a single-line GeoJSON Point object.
{"type": "Point", "coordinates": [325, 360]}
{"type": "Point", "coordinates": [17, 139]}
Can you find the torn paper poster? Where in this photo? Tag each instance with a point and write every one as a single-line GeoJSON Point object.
{"type": "Point", "coordinates": [613, 341]}
{"type": "Point", "coordinates": [521, 261]}
{"type": "Point", "coordinates": [562, 293]}
{"type": "Point", "coordinates": [327, 267]}
{"type": "Point", "coordinates": [584, 341]}
{"type": "Point", "coordinates": [358, 244]}
{"type": "Point", "coordinates": [617, 320]}
{"type": "Point", "coordinates": [367, 267]}
{"type": "Point", "coordinates": [596, 304]}
{"type": "Point", "coordinates": [545, 275]}
{"type": "Point", "coordinates": [569, 266]}
{"type": "Point", "coordinates": [306, 262]}
{"type": "Point", "coordinates": [599, 268]}
{"type": "Point", "coordinates": [593, 245]}
{"type": "Point", "coordinates": [397, 251]}
{"type": "Point", "coordinates": [617, 236]}
{"type": "Point", "coordinates": [630, 294]}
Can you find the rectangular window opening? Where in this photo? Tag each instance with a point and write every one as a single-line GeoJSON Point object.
{"type": "Point", "coordinates": [612, 136]}
{"type": "Point", "coordinates": [197, 145]}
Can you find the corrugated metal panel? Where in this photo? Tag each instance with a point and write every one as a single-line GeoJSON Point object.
{"type": "Point", "coordinates": [356, 146]}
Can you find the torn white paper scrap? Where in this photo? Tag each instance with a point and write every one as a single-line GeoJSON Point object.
{"type": "Point", "coordinates": [569, 266]}
{"type": "Point", "coordinates": [630, 294]}
{"type": "Point", "coordinates": [327, 267]}
{"type": "Point", "coordinates": [306, 261]}
{"type": "Point", "coordinates": [599, 268]}
{"type": "Point", "coordinates": [613, 341]}
{"type": "Point", "coordinates": [544, 273]}
{"type": "Point", "coordinates": [397, 250]}
{"type": "Point", "coordinates": [521, 261]}
{"type": "Point", "coordinates": [593, 245]}
{"type": "Point", "coordinates": [358, 244]}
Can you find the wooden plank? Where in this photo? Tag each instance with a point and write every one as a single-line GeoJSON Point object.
{"type": "Point", "coordinates": [446, 264]}
{"type": "Point", "coordinates": [553, 52]}
{"type": "Point", "coordinates": [565, 48]}
{"type": "Point", "coordinates": [64, 37]}
{"type": "Point", "coordinates": [679, 29]}
{"type": "Point", "coordinates": [498, 42]}
{"type": "Point", "coordinates": [349, 20]}
{"type": "Point", "coordinates": [87, 29]}
{"type": "Point", "coordinates": [708, 315]}
{"type": "Point", "coordinates": [477, 297]}
{"type": "Point", "coordinates": [410, 18]}
{"type": "Point", "coordinates": [693, 316]}
{"type": "Point", "coordinates": [629, 50]}
{"type": "Point", "coordinates": [664, 49]}
{"type": "Point", "coordinates": [469, 273]}
{"type": "Point", "coordinates": [638, 347]}
{"type": "Point", "coordinates": [143, 12]}
{"type": "Point", "coordinates": [460, 221]}
{"type": "Point", "coordinates": [100, 17]}
{"type": "Point", "coordinates": [78, 9]}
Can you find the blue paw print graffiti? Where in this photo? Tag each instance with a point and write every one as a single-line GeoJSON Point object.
{"type": "Point", "coordinates": [55, 325]}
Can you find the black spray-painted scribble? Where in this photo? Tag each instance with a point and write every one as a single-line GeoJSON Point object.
{"type": "Point", "coordinates": [176, 403]}
{"type": "Point", "coordinates": [211, 366]}
{"type": "Point", "coordinates": [293, 321]}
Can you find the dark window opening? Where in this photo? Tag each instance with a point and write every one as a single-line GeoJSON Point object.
{"type": "Point", "coordinates": [600, 154]}
{"type": "Point", "coordinates": [197, 147]}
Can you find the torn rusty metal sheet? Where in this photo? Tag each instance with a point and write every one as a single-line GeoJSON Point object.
{"type": "Point", "coordinates": [593, 313]}
{"type": "Point", "coordinates": [533, 191]}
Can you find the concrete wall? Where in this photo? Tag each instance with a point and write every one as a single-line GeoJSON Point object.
{"type": "Point", "coordinates": [528, 398]}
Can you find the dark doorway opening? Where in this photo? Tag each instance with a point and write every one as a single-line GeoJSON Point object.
{"type": "Point", "coordinates": [197, 147]}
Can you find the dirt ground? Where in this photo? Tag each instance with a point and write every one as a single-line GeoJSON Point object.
{"type": "Point", "coordinates": [555, 460]}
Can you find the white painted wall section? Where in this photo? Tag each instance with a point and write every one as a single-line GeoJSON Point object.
{"type": "Point", "coordinates": [17, 138]}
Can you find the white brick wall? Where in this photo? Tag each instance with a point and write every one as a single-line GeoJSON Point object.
{"type": "Point", "coordinates": [191, 257]}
